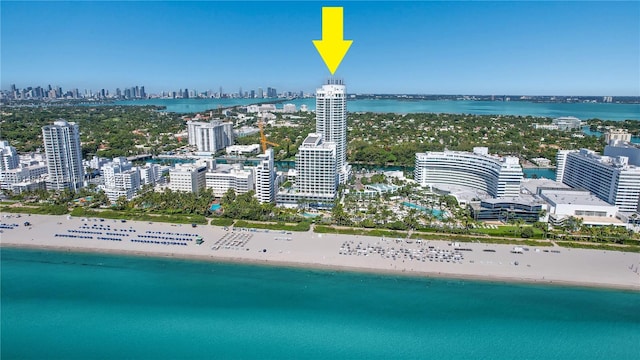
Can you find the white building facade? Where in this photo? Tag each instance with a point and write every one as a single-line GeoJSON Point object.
{"type": "Point", "coordinates": [9, 158]}
{"type": "Point", "coordinates": [331, 122]}
{"type": "Point", "coordinates": [121, 178]}
{"type": "Point", "coordinates": [497, 176]}
{"type": "Point", "coordinates": [316, 168]}
{"type": "Point", "coordinates": [617, 135]}
{"type": "Point", "coordinates": [64, 155]}
{"type": "Point", "coordinates": [265, 177]}
{"type": "Point", "coordinates": [210, 137]}
{"type": "Point", "coordinates": [187, 177]}
{"type": "Point", "coordinates": [611, 179]}
{"type": "Point", "coordinates": [561, 159]}
{"type": "Point", "coordinates": [235, 177]}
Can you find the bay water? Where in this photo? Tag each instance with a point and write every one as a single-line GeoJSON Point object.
{"type": "Point", "coordinates": [584, 111]}
{"type": "Point", "coordinates": [58, 305]}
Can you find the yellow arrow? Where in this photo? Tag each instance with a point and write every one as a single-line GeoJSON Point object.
{"type": "Point", "coordinates": [333, 47]}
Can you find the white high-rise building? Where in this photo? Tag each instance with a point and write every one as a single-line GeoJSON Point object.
{"type": "Point", "coordinates": [265, 178]}
{"type": "Point", "coordinates": [150, 174]}
{"type": "Point", "coordinates": [316, 177]}
{"type": "Point", "coordinates": [331, 122]}
{"type": "Point", "coordinates": [497, 176]}
{"type": "Point", "coordinates": [316, 165]}
{"type": "Point", "coordinates": [561, 160]}
{"type": "Point", "coordinates": [210, 137]}
{"type": "Point", "coordinates": [121, 178]}
{"type": "Point", "coordinates": [64, 155]}
{"type": "Point", "coordinates": [187, 177]}
{"type": "Point", "coordinates": [612, 179]}
{"type": "Point", "coordinates": [9, 158]}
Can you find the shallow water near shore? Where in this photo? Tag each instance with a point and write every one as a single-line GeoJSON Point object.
{"type": "Point", "coordinates": [79, 306]}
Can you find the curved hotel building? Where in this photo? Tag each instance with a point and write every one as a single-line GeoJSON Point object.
{"type": "Point", "coordinates": [499, 177]}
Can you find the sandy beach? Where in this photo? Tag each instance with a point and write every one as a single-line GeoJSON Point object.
{"type": "Point", "coordinates": [545, 265]}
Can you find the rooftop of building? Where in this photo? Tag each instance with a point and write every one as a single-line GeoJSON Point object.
{"type": "Point", "coordinates": [531, 186]}
{"type": "Point", "coordinates": [312, 139]}
{"type": "Point", "coordinates": [621, 162]}
{"type": "Point", "coordinates": [382, 188]}
{"type": "Point", "coordinates": [572, 197]}
{"type": "Point", "coordinates": [477, 151]}
{"type": "Point", "coordinates": [527, 200]}
{"type": "Point", "coordinates": [566, 118]}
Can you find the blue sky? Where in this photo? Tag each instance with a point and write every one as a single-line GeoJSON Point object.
{"type": "Point", "coordinates": [537, 48]}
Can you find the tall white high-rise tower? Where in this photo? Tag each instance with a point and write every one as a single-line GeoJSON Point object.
{"type": "Point", "coordinates": [265, 178]}
{"type": "Point", "coordinates": [64, 155]}
{"type": "Point", "coordinates": [331, 122]}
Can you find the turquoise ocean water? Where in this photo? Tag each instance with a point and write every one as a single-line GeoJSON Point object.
{"type": "Point", "coordinates": [581, 110]}
{"type": "Point", "coordinates": [80, 306]}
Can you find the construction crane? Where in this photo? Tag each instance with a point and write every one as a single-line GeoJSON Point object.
{"type": "Point", "coordinates": [263, 138]}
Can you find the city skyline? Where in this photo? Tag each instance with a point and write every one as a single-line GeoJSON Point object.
{"type": "Point", "coordinates": [422, 48]}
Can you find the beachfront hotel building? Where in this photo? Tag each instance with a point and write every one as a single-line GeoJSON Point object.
{"type": "Point", "coordinates": [121, 178]}
{"type": "Point", "coordinates": [331, 122]}
{"type": "Point", "coordinates": [151, 173]}
{"type": "Point", "coordinates": [210, 137]}
{"type": "Point", "coordinates": [265, 178]}
{"type": "Point", "coordinates": [224, 177]}
{"type": "Point", "coordinates": [316, 168]}
{"type": "Point", "coordinates": [187, 177]}
{"type": "Point", "coordinates": [497, 176]}
{"type": "Point", "coordinates": [316, 177]}
{"type": "Point", "coordinates": [64, 155]}
{"type": "Point", "coordinates": [612, 179]}
{"type": "Point", "coordinates": [321, 161]}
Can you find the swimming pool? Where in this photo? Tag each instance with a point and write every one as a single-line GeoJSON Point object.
{"type": "Point", "coordinates": [436, 212]}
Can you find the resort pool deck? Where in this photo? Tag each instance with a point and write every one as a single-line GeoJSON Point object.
{"type": "Point", "coordinates": [435, 212]}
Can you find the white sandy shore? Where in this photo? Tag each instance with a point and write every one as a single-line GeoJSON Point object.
{"type": "Point", "coordinates": [581, 267]}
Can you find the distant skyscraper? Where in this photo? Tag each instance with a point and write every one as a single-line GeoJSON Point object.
{"type": "Point", "coordinates": [331, 122]}
{"type": "Point", "coordinates": [64, 155]}
{"type": "Point", "coordinates": [260, 93]}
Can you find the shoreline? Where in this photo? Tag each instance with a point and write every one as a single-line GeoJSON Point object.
{"type": "Point", "coordinates": [322, 267]}
{"type": "Point", "coordinates": [307, 250]}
